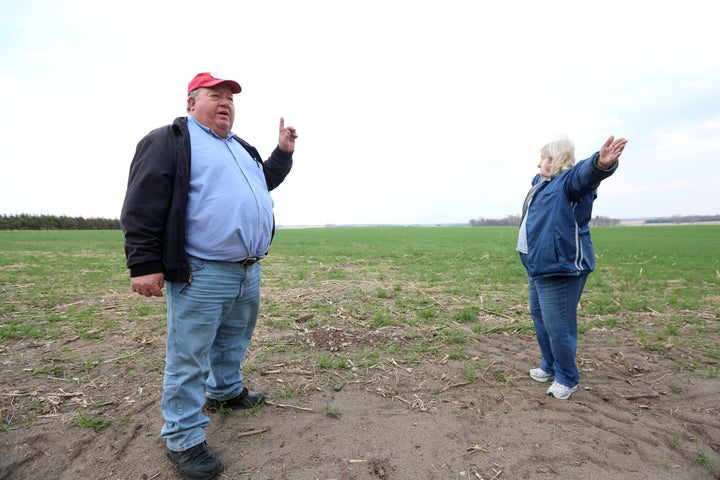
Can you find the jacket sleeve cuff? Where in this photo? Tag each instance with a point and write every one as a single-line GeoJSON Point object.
{"type": "Point", "coordinates": [281, 154]}
{"type": "Point", "coordinates": [146, 268]}
{"type": "Point", "coordinates": [612, 168]}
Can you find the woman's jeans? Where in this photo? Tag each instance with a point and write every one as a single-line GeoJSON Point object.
{"type": "Point", "coordinates": [210, 322]}
{"type": "Point", "coordinates": [553, 307]}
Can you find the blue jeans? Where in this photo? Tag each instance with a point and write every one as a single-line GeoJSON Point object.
{"type": "Point", "coordinates": [210, 322]}
{"type": "Point", "coordinates": [553, 307]}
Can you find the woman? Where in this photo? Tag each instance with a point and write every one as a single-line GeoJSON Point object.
{"type": "Point", "coordinates": [555, 249]}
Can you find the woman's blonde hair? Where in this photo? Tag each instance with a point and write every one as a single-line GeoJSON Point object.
{"type": "Point", "coordinates": [562, 153]}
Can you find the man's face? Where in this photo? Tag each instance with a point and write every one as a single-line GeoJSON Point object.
{"type": "Point", "coordinates": [214, 108]}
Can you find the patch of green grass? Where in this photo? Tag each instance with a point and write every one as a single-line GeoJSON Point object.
{"type": "Point", "coordinates": [520, 327]}
{"type": "Point", "coordinates": [393, 348]}
{"type": "Point", "coordinates": [223, 409]}
{"type": "Point", "coordinates": [277, 321]}
{"type": "Point", "coordinates": [287, 390]}
{"type": "Point", "coordinates": [501, 377]}
{"type": "Point", "coordinates": [96, 424]}
{"type": "Point", "coordinates": [89, 363]}
{"type": "Point", "coordinates": [4, 427]}
{"type": "Point", "coordinates": [53, 366]}
{"type": "Point", "coordinates": [653, 347]}
{"type": "Point", "coordinates": [144, 310]}
{"type": "Point", "coordinates": [422, 346]}
{"type": "Point", "coordinates": [334, 274]}
{"type": "Point", "coordinates": [382, 319]}
{"type": "Point", "coordinates": [713, 353]}
{"type": "Point", "coordinates": [457, 353]}
{"type": "Point", "coordinates": [157, 366]}
{"type": "Point", "coordinates": [331, 412]}
{"type": "Point", "coordinates": [332, 363]}
{"type": "Point", "coordinates": [698, 370]}
{"type": "Point", "coordinates": [466, 315]}
{"type": "Point", "coordinates": [382, 293]}
{"type": "Point", "coordinates": [451, 336]}
{"type": "Point", "coordinates": [469, 373]}
{"type": "Point", "coordinates": [365, 358]}
{"type": "Point", "coordinates": [608, 323]}
{"type": "Point", "coordinates": [703, 459]}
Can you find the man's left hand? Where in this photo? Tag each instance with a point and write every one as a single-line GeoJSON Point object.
{"type": "Point", "coordinates": [287, 138]}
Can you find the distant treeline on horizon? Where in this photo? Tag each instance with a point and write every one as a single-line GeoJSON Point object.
{"type": "Point", "coordinates": [514, 221]}
{"type": "Point", "coordinates": [62, 222]}
{"type": "Point", "coordinates": [685, 219]}
{"type": "Point", "coordinates": [55, 222]}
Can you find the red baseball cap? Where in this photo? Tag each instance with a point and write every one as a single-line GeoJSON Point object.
{"type": "Point", "coordinates": [209, 80]}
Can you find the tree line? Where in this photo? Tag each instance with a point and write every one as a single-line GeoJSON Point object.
{"type": "Point", "coordinates": [514, 221]}
{"type": "Point", "coordinates": [55, 222]}
{"type": "Point", "coordinates": [598, 221]}
{"type": "Point", "coordinates": [685, 219]}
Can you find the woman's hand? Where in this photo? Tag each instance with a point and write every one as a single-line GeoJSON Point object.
{"type": "Point", "coordinates": [610, 152]}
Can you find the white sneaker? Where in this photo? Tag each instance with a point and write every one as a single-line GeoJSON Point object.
{"type": "Point", "coordinates": [540, 375]}
{"type": "Point", "coordinates": [560, 391]}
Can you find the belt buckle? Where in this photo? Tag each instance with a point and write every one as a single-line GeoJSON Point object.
{"type": "Point", "coordinates": [248, 261]}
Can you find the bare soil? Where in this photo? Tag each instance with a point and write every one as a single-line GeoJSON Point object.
{"type": "Point", "coordinates": [635, 416]}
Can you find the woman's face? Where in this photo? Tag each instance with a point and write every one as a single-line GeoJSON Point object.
{"type": "Point", "coordinates": [544, 166]}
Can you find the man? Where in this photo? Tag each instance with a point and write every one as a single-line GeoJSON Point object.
{"type": "Point", "coordinates": [198, 219]}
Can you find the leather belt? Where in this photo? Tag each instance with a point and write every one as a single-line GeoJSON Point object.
{"type": "Point", "coordinates": [248, 261]}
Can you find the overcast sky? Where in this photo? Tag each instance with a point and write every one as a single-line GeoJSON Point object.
{"type": "Point", "coordinates": [407, 111]}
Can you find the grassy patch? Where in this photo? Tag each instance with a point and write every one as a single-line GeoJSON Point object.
{"type": "Point", "coordinates": [96, 424]}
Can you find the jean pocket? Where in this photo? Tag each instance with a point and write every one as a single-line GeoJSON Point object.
{"type": "Point", "coordinates": [196, 264]}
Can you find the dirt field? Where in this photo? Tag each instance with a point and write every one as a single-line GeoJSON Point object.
{"type": "Point", "coordinates": [635, 415]}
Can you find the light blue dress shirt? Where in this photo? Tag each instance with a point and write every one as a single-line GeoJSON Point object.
{"type": "Point", "coordinates": [229, 213]}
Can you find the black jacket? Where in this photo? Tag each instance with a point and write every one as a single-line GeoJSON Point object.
{"type": "Point", "coordinates": [153, 214]}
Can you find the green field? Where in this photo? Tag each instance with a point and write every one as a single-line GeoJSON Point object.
{"type": "Point", "coordinates": [660, 285]}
